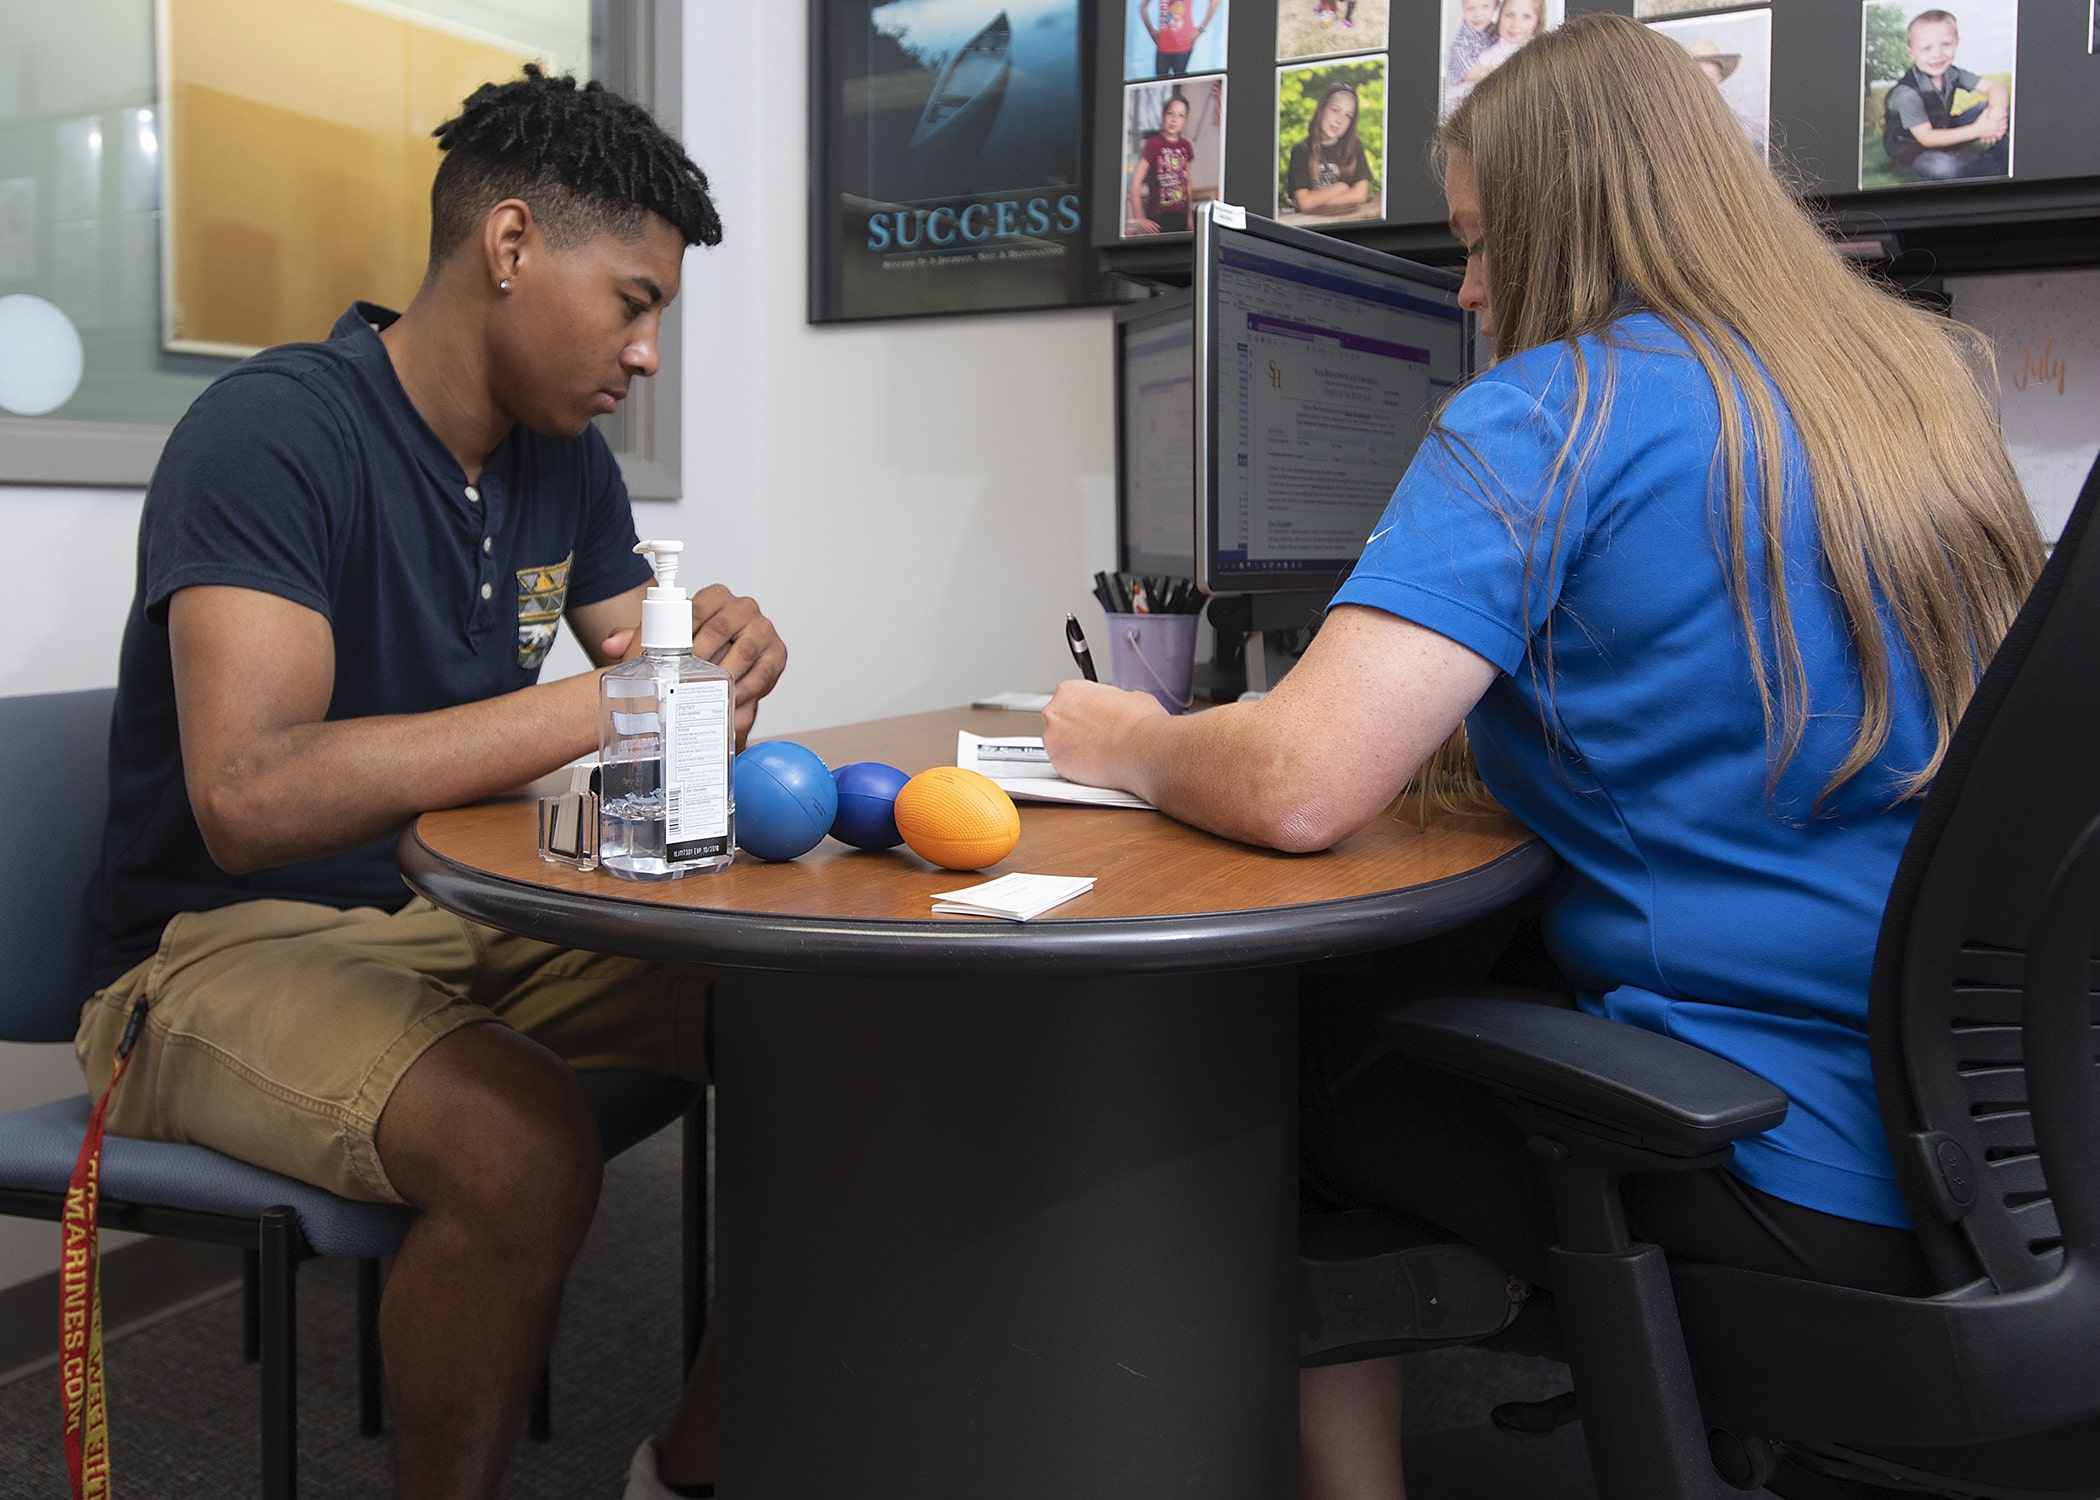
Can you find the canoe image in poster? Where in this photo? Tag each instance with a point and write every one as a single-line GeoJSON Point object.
{"type": "Point", "coordinates": [962, 107]}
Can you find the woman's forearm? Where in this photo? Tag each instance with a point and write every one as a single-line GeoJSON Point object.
{"type": "Point", "coordinates": [1317, 759]}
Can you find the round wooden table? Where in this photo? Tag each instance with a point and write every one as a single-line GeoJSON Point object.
{"type": "Point", "coordinates": [1004, 1209]}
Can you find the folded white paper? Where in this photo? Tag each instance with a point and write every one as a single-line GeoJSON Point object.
{"type": "Point", "coordinates": [1019, 766]}
{"type": "Point", "coordinates": [1015, 897]}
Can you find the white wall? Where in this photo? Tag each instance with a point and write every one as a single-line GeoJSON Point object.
{"type": "Point", "coordinates": [916, 504]}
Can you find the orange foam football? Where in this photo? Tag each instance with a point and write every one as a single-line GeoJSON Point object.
{"type": "Point", "coordinates": [957, 819]}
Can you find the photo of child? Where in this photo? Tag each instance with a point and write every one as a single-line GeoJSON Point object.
{"type": "Point", "coordinates": [1173, 38]}
{"type": "Point", "coordinates": [1173, 152]}
{"type": "Point", "coordinates": [1735, 51]}
{"type": "Point", "coordinates": [1319, 28]}
{"type": "Point", "coordinates": [1927, 117]}
{"type": "Point", "coordinates": [1483, 35]}
{"type": "Point", "coordinates": [1330, 142]}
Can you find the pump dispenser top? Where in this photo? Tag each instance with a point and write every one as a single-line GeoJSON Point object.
{"type": "Point", "coordinates": [667, 619]}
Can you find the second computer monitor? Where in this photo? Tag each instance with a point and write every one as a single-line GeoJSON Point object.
{"type": "Point", "coordinates": [1317, 368]}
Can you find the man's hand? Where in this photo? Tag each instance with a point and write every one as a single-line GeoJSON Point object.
{"type": "Point", "coordinates": [1087, 729]}
{"type": "Point", "coordinates": [730, 631]}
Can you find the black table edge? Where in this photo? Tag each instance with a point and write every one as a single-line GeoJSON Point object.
{"type": "Point", "coordinates": [966, 947]}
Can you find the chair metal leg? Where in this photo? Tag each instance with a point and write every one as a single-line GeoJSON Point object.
{"type": "Point", "coordinates": [539, 1426]}
{"type": "Point", "coordinates": [251, 1306]}
{"type": "Point", "coordinates": [696, 1184]}
{"type": "Point", "coordinates": [371, 1381]}
{"type": "Point", "coordinates": [278, 1245]}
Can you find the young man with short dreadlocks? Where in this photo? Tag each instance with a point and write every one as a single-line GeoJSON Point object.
{"type": "Point", "coordinates": [351, 559]}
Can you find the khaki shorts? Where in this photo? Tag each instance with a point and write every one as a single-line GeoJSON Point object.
{"type": "Point", "coordinates": [276, 1030]}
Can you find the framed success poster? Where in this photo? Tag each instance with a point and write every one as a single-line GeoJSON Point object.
{"type": "Point", "coordinates": [949, 140]}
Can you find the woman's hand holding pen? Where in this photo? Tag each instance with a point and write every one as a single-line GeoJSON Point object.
{"type": "Point", "coordinates": [1088, 731]}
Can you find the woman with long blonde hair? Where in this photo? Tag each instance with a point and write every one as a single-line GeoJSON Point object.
{"type": "Point", "coordinates": [1708, 564]}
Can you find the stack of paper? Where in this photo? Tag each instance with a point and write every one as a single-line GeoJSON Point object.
{"type": "Point", "coordinates": [1020, 767]}
{"type": "Point", "coordinates": [1014, 897]}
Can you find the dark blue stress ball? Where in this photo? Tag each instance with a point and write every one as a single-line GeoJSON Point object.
{"type": "Point", "coordinates": [785, 800]}
{"type": "Point", "coordinates": [867, 816]}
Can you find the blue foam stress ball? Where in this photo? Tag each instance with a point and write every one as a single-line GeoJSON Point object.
{"type": "Point", "coordinates": [868, 805]}
{"type": "Point", "coordinates": [785, 800]}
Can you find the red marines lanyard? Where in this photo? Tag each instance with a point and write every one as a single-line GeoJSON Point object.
{"type": "Point", "coordinates": [80, 1298]}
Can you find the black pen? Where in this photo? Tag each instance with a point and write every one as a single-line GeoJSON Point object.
{"type": "Point", "coordinates": [1076, 639]}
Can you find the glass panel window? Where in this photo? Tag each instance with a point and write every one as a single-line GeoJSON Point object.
{"type": "Point", "coordinates": [175, 194]}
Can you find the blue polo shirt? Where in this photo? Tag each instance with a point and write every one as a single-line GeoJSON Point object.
{"type": "Point", "coordinates": [1692, 903]}
{"type": "Point", "coordinates": [305, 472]}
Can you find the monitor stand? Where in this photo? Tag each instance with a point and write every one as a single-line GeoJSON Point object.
{"type": "Point", "coordinates": [1251, 629]}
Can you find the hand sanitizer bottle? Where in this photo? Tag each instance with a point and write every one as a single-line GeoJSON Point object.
{"type": "Point", "coordinates": [667, 740]}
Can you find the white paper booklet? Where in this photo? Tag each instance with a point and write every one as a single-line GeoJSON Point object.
{"type": "Point", "coordinates": [1015, 897]}
{"type": "Point", "coordinates": [1019, 766]}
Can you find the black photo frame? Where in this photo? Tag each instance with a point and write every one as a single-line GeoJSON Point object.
{"type": "Point", "coordinates": [950, 157]}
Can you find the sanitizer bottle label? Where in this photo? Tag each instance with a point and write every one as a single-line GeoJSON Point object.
{"type": "Point", "coordinates": [696, 769]}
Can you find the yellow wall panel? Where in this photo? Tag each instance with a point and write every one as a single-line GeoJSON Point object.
{"type": "Point", "coordinates": [297, 158]}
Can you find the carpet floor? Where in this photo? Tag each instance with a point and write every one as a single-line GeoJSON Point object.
{"type": "Point", "coordinates": [182, 1401]}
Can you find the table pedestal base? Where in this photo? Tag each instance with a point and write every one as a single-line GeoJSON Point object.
{"type": "Point", "coordinates": [999, 1240]}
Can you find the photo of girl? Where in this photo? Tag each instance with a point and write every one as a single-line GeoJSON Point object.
{"type": "Point", "coordinates": [1319, 28]}
{"type": "Point", "coordinates": [1173, 38]}
{"type": "Point", "coordinates": [1484, 34]}
{"type": "Point", "coordinates": [1173, 152]}
{"type": "Point", "coordinates": [1330, 142]}
{"type": "Point", "coordinates": [1927, 117]}
{"type": "Point", "coordinates": [1735, 53]}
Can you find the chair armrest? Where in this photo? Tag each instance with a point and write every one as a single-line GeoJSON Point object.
{"type": "Point", "coordinates": [1617, 1084]}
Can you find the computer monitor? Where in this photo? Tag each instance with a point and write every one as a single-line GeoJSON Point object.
{"type": "Point", "coordinates": [1155, 436]}
{"type": "Point", "coordinates": [1317, 365]}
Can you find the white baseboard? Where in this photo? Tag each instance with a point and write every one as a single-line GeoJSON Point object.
{"type": "Point", "coordinates": [142, 1282]}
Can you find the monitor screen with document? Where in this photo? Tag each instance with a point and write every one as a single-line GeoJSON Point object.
{"type": "Point", "coordinates": [1317, 366]}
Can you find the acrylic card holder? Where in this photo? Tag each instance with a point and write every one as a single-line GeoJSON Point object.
{"type": "Point", "coordinates": [569, 820]}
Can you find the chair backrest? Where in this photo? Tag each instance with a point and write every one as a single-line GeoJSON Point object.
{"type": "Point", "coordinates": [54, 761]}
{"type": "Point", "coordinates": [1950, 1010]}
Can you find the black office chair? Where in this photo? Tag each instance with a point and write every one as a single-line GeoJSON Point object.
{"type": "Point", "coordinates": [54, 756]}
{"type": "Point", "coordinates": [1984, 1026]}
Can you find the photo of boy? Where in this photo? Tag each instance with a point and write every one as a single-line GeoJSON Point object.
{"type": "Point", "coordinates": [1173, 156]}
{"type": "Point", "coordinates": [1330, 142]}
{"type": "Point", "coordinates": [1475, 34]}
{"type": "Point", "coordinates": [1319, 28]}
{"type": "Point", "coordinates": [1735, 52]}
{"type": "Point", "coordinates": [1935, 120]}
{"type": "Point", "coordinates": [1484, 35]}
{"type": "Point", "coordinates": [1173, 38]}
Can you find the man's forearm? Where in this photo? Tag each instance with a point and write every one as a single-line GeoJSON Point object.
{"type": "Point", "coordinates": [308, 790]}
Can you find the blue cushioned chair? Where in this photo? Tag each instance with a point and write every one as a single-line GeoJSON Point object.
{"type": "Point", "coordinates": [54, 752]}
